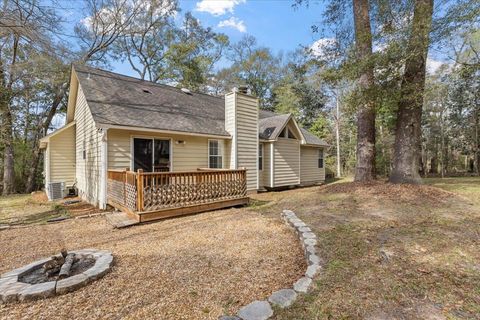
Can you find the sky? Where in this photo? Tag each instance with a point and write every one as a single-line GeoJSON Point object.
{"type": "Point", "coordinates": [274, 23]}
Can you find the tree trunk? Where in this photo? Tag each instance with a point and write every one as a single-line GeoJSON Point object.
{"type": "Point", "coordinates": [409, 115]}
{"type": "Point", "coordinates": [32, 173]}
{"type": "Point", "coordinates": [365, 166]}
{"type": "Point", "coordinates": [477, 143]}
{"type": "Point", "coordinates": [8, 155]}
{"type": "Point", "coordinates": [337, 133]}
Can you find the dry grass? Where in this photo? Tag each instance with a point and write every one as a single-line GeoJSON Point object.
{"type": "Point", "coordinates": [391, 252]}
{"type": "Point", "coordinates": [26, 209]}
{"type": "Point", "coordinates": [195, 267]}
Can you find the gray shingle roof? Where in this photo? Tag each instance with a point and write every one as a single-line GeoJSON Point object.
{"type": "Point", "coordinates": [270, 127]}
{"type": "Point", "coordinates": [312, 139]}
{"type": "Point", "coordinates": [115, 99]}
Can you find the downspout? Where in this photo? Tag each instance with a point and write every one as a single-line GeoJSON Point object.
{"type": "Point", "coordinates": [103, 168]}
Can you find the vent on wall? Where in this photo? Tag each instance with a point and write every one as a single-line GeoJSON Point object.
{"type": "Point", "coordinates": [56, 190]}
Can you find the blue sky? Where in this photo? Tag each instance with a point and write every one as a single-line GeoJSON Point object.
{"type": "Point", "coordinates": [275, 23]}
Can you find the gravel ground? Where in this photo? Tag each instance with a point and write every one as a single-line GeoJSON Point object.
{"type": "Point", "coordinates": [195, 267]}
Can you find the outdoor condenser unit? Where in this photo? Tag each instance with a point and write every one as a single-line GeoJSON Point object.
{"type": "Point", "coordinates": [56, 190]}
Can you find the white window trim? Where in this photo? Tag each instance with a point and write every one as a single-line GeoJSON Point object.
{"type": "Point", "coordinates": [221, 146]}
{"type": "Point", "coordinates": [320, 151]}
{"type": "Point", "coordinates": [132, 149]}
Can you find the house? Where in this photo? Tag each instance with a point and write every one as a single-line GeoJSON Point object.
{"type": "Point", "coordinates": [147, 147]}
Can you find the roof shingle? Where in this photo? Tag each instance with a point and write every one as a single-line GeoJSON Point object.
{"type": "Point", "coordinates": [115, 99]}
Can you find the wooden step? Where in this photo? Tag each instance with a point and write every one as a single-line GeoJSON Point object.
{"type": "Point", "coordinates": [120, 220]}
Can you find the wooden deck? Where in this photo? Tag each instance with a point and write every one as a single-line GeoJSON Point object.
{"type": "Point", "coordinates": [147, 196]}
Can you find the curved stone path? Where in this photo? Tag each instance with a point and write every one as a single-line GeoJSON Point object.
{"type": "Point", "coordinates": [262, 310]}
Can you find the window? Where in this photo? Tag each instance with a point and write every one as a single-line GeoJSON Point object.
{"type": "Point", "coordinates": [215, 158]}
{"type": "Point", "coordinates": [290, 134]}
{"type": "Point", "coordinates": [260, 156]}
{"type": "Point", "coordinates": [283, 134]}
{"type": "Point", "coordinates": [84, 150]}
{"type": "Point", "coordinates": [320, 158]}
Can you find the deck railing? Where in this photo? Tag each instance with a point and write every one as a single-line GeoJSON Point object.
{"type": "Point", "coordinates": [152, 191]}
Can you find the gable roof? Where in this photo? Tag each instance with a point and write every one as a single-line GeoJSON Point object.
{"type": "Point", "coordinates": [118, 100]}
{"type": "Point", "coordinates": [270, 127]}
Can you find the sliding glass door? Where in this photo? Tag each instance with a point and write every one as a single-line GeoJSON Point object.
{"type": "Point", "coordinates": [151, 155]}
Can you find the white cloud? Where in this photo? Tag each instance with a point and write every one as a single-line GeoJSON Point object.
{"type": "Point", "coordinates": [433, 65]}
{"type": "Point", "coordinates": [233, 23]}
{"type": "Point", "coordinates": [218, 7]}
{"type": "Point", "coordinates": [324, 48]}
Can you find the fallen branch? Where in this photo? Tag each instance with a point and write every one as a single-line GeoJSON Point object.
{"type": "Point", "coordinates": [65, 269]}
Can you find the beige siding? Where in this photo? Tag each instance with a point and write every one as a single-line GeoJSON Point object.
{"type": "Point", "coordinates": [309, 171]}
{"type": "Point", "coordinates": [287, 162]}
{"type": "Point", "coordinates": [266, 177]}
{"type": "Point", "coordinates": [88, 139]}
{"type": "Point", "coordinates": [191, 155]}
{"type": "Point", "coordinates": [61, 157]}
{"type": "Point", "coordinates": [247, 137]}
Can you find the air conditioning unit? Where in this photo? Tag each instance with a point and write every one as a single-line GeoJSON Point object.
{"type": "Point", "coordinates": [56, 190]}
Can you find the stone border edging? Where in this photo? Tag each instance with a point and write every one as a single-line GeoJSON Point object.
{"type": "Point", "coordinates": [11, 289]}
{"type": "Point", "coordinates": [262, 310]}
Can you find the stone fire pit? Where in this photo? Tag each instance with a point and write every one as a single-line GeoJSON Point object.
{"type": "Point", "coordinates": [43, 278]}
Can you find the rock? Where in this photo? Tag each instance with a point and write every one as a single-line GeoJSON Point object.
{"type": "Point", "coordinates": [71, 283]}
{"type": "Point", "coordinates": [105, 259]}
{"type": "Point", "coordinates": [302, 284]}
{"type": "Point", "coordinates": [308, 235]}
{"type": "Point", "coordinates": [37, 291]}
{"type": "Point", "coordinates": [304, 229]}
{"type": "Point", "coordinates": [257, 310]}
{"type": "Point", "coordinates": [288, 212]}
{"type": "Point", "coordinates": [312, 270]}
{"type": "Point", "coordinates": [10, 292]}
{"type": "Point", "coordinates": [299, 224]}
{"type": "Point", "coordinates": [310, 250]}
{"type": "Point", "coordinates": [229, 318]}
{"type": "Point", "coordinates": [96, 272]}
{"type": "Point", "coordinates": [5, 282]}
{"type": "Point", "coordinates": [24, 269]}
{"type": "Point", "coordinates": [313, 259]}
{"type": "Point", "coordinates": [294, 220]}
{"type": "Point", "coordinates": [283, 298]}
{"type": "Point", "coordinates": [310, 242]}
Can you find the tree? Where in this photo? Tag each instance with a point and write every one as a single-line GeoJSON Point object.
{"type": "Point", "coordinates": [255, 67]}
{"type": "Point", "coordinates": [365, 167]}
{"type": "Point", "coordinates": [407, 147]}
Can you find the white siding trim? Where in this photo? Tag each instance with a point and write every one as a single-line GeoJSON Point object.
{"type": "Point", "coordinates": [272, 165]}
{"type": "Point", "coordinates": [235, 135]}
{"type": "Point", "coordinates": [103, 170]}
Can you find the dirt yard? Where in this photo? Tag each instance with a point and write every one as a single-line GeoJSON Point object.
{"type": "Point", "coordinates": [390, 252]}
{"type": "Point", "coordinates": [195, 267]}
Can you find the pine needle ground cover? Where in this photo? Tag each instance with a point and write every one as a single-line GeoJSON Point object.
{"type": "Point", "coordinates": [390, 251]}
{"type": "Point", "coordinates": [194, 267]}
